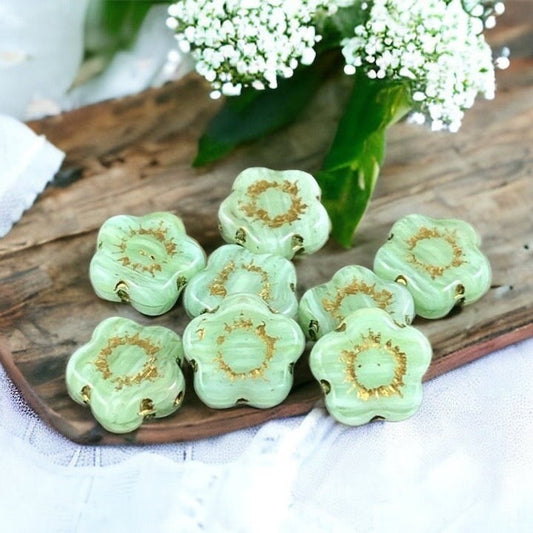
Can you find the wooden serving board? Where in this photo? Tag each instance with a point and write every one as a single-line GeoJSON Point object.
{"type": "Point", "coordinates": [133, 156]}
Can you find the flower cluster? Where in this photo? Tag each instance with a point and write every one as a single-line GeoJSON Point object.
{"type": "Point", "coordinates": [241, 43]}
{"type": "Point", "coordinates": [485, 10]}
{"type": "Point", "coordinates": [436, 46]}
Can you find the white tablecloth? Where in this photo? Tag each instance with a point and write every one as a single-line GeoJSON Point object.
{"type": "Point", "coordinates": [463, 463]}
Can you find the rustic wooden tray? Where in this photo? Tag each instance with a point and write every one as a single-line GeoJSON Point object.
{"type": "Point", "coordinates": [133, 156]}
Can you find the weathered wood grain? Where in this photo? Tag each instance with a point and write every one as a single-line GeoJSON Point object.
{"type": "Point", "coordinates": [133, 156]}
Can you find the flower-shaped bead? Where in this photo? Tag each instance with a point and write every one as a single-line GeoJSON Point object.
{"type": "Point", "coordinates": [323, 308]}
{"type": "Point", "coordinates": [371, 367]}
{"type": "Point", "coordinates": [276, 212]}
{"type": "Point", "coordinates": [438, 260]}
{"type": "Point", "coordinates": [243, 353]}
{"type": "Point", "coordinates": [126, 373]}
{"type": "Point", "coordinates": [145, 261]}
{"type": "Point", "coordinates": [232, 269]}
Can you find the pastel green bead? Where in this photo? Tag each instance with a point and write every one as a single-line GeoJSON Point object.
{"type": "Point", "coordinates": [127, 373]}
{"type": "Point", "coordinates": [145, 261]}
{"type": "Point", "coordinates": [278, 212]}
{"type": "Point", "coordinates": [324, 307]}
{"type": "Point", "coordinates": [438, 260]}
{"type": "Point", "coordinates": [232, 269]}
{"type": "Point", "coordinates": [371, 367]}
{"type": "Point", "coordinates": [243, 353]}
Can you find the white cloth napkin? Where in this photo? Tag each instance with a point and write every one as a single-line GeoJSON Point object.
{"type": "Point", "coordinates": [27, 163]}
{"type": "Point", "coordinates": [41, 48]}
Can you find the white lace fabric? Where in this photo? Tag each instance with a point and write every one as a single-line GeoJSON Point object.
{"type": "Point", "coordinates": [463, 463]}
{"type": "Point", "coordinates": [27, 163]}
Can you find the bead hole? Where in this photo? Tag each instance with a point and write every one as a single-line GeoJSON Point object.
{"type": "Point", "coordinates": [459, 291]}
{"type": "Point", "coordinates": [121, 290]}
{"type": "Point", "coordinates": [312, 330]}
{"type": "Point", "coordinates": [240, 236]}
{"type": "Point", "coordinates": [179, 398]}
{"type": "Point", "coordinates": [297, 243]}
{"type": "Point", "coordinates": [86, 393]}
{"type": "Point", "coordinates": [402, 280]}
{"type": "Point", "coordinates": [147, 408]}
{"type": "Point", "coordinates": [325, 385]}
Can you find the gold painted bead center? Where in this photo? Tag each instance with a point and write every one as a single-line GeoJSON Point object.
{"type": "Point", "coordinates": [149, 370]}
{"type": "Point", "coordinates": [218, 285]}
{"type": "Point", "coordinates": [141, 260]}
{"type": "Point", "coordinates": [363, 361]}
{"type": "Point", "coordinates": [382, 298]}
{"type": "Point", "coordinates": [240, 325]}
{"type": "Point", "coordinates": [255, 211]}
{"type": "Point", "coordinates": [448, 237]}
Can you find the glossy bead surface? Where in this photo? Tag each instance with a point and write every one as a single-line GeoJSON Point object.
{"type": "Point", "coordinates": [322, 308]}
{"type": "Point", "coordinates": [371, 367]}
{"type": "Point", "coordinates": [232, 269]}
{"type": "Point", "coordinates": [145, 261]}
{"type": "Point", "coordinates": [276, 212]}
{"type": "Point", "coordinates": [242, 353]}
{"type": "Point", "coordinates": [126, 373]}
{"type": "Point", "coordinates": [439, 262]}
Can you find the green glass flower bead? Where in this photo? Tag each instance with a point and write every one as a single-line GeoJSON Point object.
{"type": "Point", "coordinates": [145, 261]}
{"type": "Point", "coordinates": [243, 353]}
{"type": "Point", "coordinates": [371, 367]}
{"type": "Point", "coordinates": [127, 373]}
{"type": "Point", "coordinates": [232, 269]}
{"type": "Point", "coordinates": [438, 260]}
{"type": "Point", "coordinates": [276, 212]}
{"type": "Point", "coordinates": [323, 308]}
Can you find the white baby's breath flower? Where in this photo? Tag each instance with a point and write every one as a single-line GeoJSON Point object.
{"type": "Point", "coordinates": [434, 45]}
{"type": "Point", "coordinates": [248, 43]}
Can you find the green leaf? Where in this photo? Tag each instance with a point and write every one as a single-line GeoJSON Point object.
{"type": "Point", "coordinates": [347, 190]}
{"type": "Point", "coordinates": [351, 167]}
{"type": "Point", "coordinates": [211, 149]}
{"type": "Point", "coordinates": [254, 114]}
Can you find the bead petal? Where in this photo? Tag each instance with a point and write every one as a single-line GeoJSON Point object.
{"type": "Point", "coordinates": [322, 308]}
{"type": "Point", "coordinates": [371, 367]}
{"type": "Point", "coordinates": [126, 373]}
{"type": "Point", "coordinates": [145, 261]}
{"type": "Point", "coordinates": [243, 353]}
{"type": "Point", "coordinates": [232, 269]}
{"type": "Point", "coordinates": [275, 212]}
{"type": "Point", "coordinates": [438, 260]}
